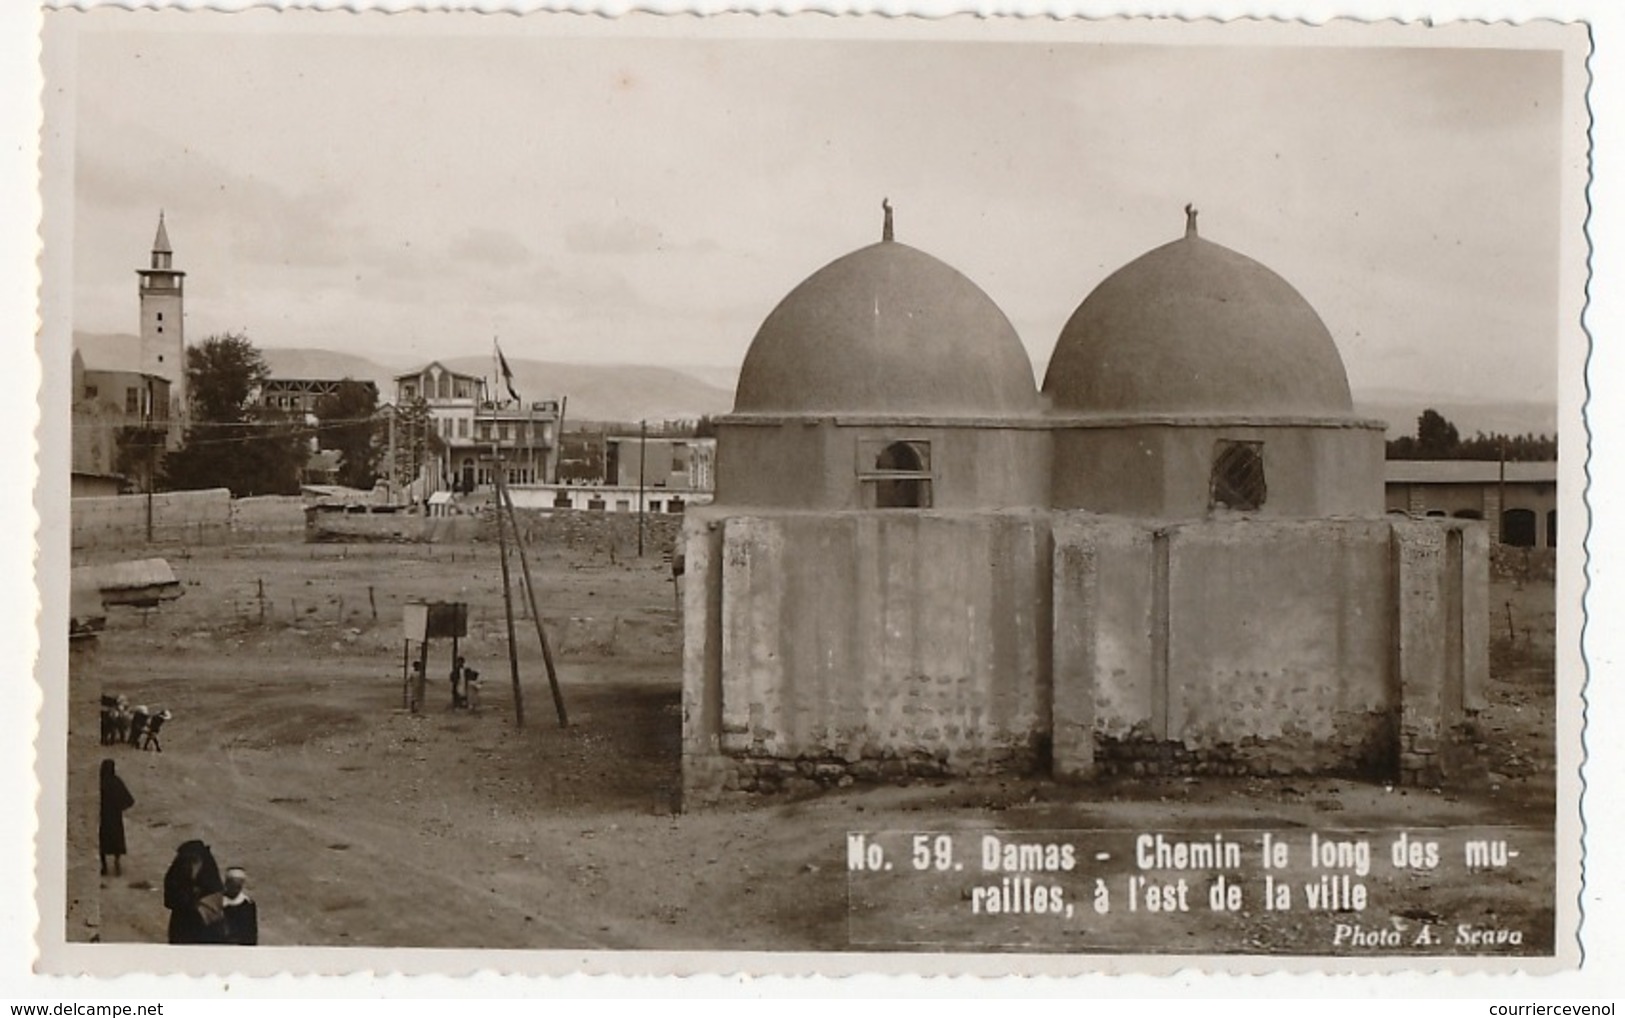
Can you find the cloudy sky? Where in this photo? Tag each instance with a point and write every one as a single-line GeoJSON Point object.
{"type": "Point", "coordinates": [406, 187]}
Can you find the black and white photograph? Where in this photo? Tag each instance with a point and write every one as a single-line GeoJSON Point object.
{"type": "Point", "coordinates": [1096, 493]}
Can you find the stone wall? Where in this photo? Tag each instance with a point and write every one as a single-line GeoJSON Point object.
{"type": "Point", "coordinates": [185, 517]}
{"type": "Point", "coordinates": [1250, 646]}
{"type": "Point", "coordinates": [825, 648]}
{"type": "Point", "coordinates": [864, 645]}
{"type": "Point", "coordinates": [192, 517]}
{"type": "Point", "coordinates": [268, 517]}
{"type": "Point", "coordinates": [1523, 564]}
{"type": "Point", "coordinates": [580, 530]}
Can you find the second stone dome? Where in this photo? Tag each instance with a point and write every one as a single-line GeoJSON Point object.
{"type": "Point", "coordinates": [1194, 328]}
{"type": "Point", "coordinates": [887, 329]}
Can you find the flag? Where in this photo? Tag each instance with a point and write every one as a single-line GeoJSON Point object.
{"type": "Point", "coordinates": [507, 373]}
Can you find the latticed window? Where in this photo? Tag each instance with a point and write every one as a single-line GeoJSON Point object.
{"type": "Point", "coordinates": [1238, 475]}
{"type": "Point", "coordinates": [895, 475]}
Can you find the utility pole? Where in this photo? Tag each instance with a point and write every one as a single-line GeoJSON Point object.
{"type": "Point", "coordinates": [394, 465]}
{"type": "Point", "coordinates": [146, 439]}
{"type": "Point", "coordinates": [643, 443]}
{"type": "Point", "coordinates": [507, 587]}
{"type": "Point", "coordinates": [1501, 495]}
{"type": "Point", "coordinates": [558, 438]}
{"type": "Point", "coordinates": [505, 499]}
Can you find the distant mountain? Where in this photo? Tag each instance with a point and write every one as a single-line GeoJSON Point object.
{"type": "Point", "coordinates": [631, 392]}
{"type": "Point", "coordinates": [607, 392]}
{"type": "Point", "coordinates": [1508, 417]}
{"type": "Point", "coordinates": [311, 362]}
{"type": "Point", "coordinates": [718, 375]}
{"type": "Point", "coordinates": [108, 351]}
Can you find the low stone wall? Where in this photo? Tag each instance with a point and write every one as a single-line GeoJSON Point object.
{"type": "Point", "coordinates": [812, 772]}
{"type": "Point", "coordinates": [590, 530]}
{"type": "Point", "coordinates": [191, 517]}
{"type": "Point", "coordinates": [338, 527]}
{"type": "Point", "coordinates": [579, 530]}
{"type": "Point", "coordinates": [266, 517]}
{"type": "Point", "coordinates": [1512, 563]}
{"type": "Point", "coordinates": [1140, 753]}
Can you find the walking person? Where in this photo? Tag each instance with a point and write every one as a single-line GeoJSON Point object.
{"type": "Point", "coordinates": [242, 915]}
{"type": "Point", "coordinates": [115, 799]}
{"type": "Point", "coordinates": [418, 687]}
{"type": "Point", "coordinates": [194, 895]}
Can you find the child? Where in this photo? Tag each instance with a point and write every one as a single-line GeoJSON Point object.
{"type": "Point", "coordinates": [242, 915]}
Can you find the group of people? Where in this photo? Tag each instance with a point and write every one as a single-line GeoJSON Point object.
{"type": "Point", "coordinates": [465, 686]}
{"type": "Point", "coordinates": [138, 725]}
{"type": "Point", "coordinates": [205, 905]}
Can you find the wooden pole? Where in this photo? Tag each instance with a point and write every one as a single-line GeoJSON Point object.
{"type": "Point", "coordinates": [1501, 496]}
{"type": "Point", "coordinates": [558, 438]}
{"type": "Point", "coordinates": [643, 442]}
{"type": "Point", "coordinates": [507, 597]}
{"type": "Point", "coordinates": [535, 613]}
{"type": "Point", "coordinates": [146, 438]}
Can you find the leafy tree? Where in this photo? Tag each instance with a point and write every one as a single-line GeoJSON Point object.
{"type": "Point", "coordinates": [230, 442]}
{"type": "Point", "coordinates": [349, 425]}
{"type": "Point", "coordinates": [1438, 439]}
{"type": "Point", "coordinates": [136, 454]}
{"type": "Point", "coordinates": [222, 375]}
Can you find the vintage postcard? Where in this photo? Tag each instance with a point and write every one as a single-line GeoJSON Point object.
{"type": "Point", "coordinates": [810, 494]}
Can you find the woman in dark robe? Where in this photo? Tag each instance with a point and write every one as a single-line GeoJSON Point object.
{"type": "Point", "coordinates": [116, 798]}
{"type": "Point", "coordinates": [193, 893]}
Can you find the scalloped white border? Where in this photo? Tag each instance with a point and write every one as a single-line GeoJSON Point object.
{"type": "Point", "coordinates": [20, 699]}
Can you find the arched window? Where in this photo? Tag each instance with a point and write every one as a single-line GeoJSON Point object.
{"type": "Point", "coordinates": [897, 475]}
{"type": "Point", "coordinates": [1518, 528]}
{"type": "Point", "coordinates": [1238, 476]}
{"type": "Point", "coordinates": [1551, 528]}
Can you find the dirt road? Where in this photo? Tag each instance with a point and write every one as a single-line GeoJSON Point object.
{"type": "Point", "coordinates": [290, 753]}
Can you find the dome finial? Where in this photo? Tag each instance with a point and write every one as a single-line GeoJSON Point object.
{"type": "Point", "coordinates": [886, 229]}
{"type": "Point", "coordinates": [1190, 220]}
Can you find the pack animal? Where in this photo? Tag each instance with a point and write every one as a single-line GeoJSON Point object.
{"type": "Point", "coordinates": [115, 719]}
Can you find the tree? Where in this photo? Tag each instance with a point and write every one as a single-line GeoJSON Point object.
{"type": "Point", "coordinates": [222, 374]}
{"type": "Point", "coordinates": [230, 442]}
{"type": "Point", "coordinates": [348, 423]}
{"type": "Point", "coordinates": [1436, 438]}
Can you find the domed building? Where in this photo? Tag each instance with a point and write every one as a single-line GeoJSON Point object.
{"type": "Point", "coordinates": [885, 380]}
{"type": "Point", "coordinates": [1173, 558]}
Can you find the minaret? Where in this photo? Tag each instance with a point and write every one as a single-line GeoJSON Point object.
{"type": "Point", "coordinates": [163, 325]}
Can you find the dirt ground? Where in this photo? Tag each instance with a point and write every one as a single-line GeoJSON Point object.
{"type": "Point", "coordinates": [361, 824]}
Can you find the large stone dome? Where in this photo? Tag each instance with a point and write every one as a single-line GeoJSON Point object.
{"type": "Point", "coordinates": [887, 329]}
{"type": "Point", "coordinates": [1194, 328]}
